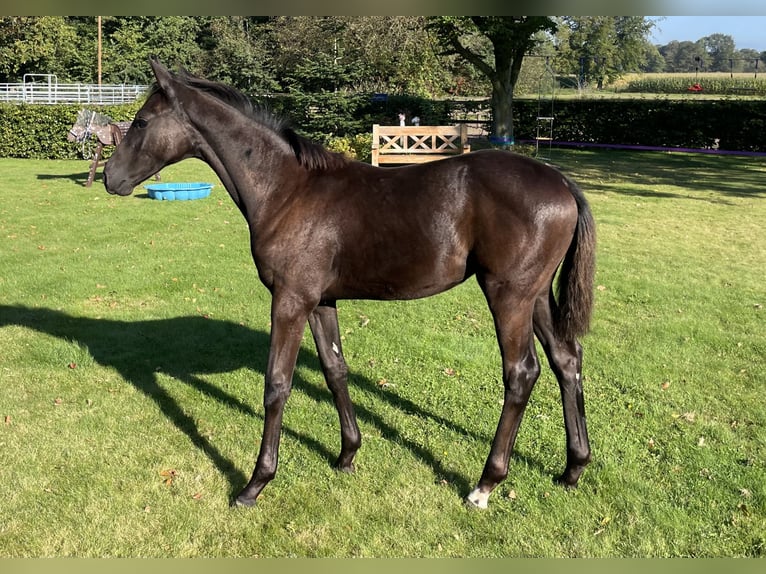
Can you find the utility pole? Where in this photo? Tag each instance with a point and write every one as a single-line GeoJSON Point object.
{"type": "Point", "coordinates": [99, 51]}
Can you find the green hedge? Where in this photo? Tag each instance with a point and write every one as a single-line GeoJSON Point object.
{"type": "Point", "coordinates": [40, 131]}
{"type": "Point", "coordinates": [730, 124]}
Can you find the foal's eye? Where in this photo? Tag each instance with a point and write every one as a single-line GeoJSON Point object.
{"type": "Point", "coordinates": [140, 123]}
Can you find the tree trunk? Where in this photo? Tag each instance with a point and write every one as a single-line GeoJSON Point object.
{"type": "Point", "coordinates": [507, 68]}
{"type": "Point", "coordinates": [511, 38]}
{"type": "Point", "coordinates": [502, 118]}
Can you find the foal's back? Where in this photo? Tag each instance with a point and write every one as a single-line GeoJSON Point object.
{"type": "Point", "coordinates": [409, 232]}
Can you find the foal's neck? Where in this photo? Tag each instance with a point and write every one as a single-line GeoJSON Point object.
{"type": "Point", "coordinates": [250, 159]}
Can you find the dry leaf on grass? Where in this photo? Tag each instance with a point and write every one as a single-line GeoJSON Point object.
{"type": "Point", "coordinates": [169, 476]}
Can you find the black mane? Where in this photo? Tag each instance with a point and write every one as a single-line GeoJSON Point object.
{"type": "Point", "coordinates": [309, 154]}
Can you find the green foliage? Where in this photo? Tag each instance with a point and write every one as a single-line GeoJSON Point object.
{"type": "Point", "coordinates": [40, 131]}
{"type": "Point", "coordinates": [601, 48]}
{"type": "Point", "coordinates": [131, 40]}
{"type": "Point", "coordinates": [38, 44]}
{"type": "Point", "coordinates": [234, 51]}
{"type": "Point", "coordinates": [357, 146]}
{"type": "Point", "coordinates": [37, 131]}
{"type": "Point", "coordinates": [329, 114]}
{"type": "Point", "coordinates": [731, 124]}
{"type": "Point", "coordinates": [394, 54]}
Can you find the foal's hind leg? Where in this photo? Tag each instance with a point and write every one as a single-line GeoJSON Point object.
{"type": "Point", "coordinates": [513, 323]}
{"type": "Point", "coordinates": [565, 358]}
{"type": "Point", "coordinates": [324, 327]}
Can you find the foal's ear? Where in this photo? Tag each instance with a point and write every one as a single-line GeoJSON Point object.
{"type": "Point", "coordinates": [164, 77]}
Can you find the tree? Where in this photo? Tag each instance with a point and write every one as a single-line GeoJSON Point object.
{"type": "Point", "coordinates": [654, 62]}
{"type": "Point", "coordinates": [496, 46]}
{"type": "Point", "coordinates": [684, 56]}
{"type": "Point", "coordinates": [238, 50]}
{"type": "Point", "coordinates": [720, 51]}
{"type": "Point", "coordinates": [602, 48]}
{"type": "Point", "coordinates": [359, 53]}
{"type": "Point", "coordinates": [129, 41]}
{"type": "Point", "coordinates": [84, 65]}
{"type": "Point", "coordinates": [36, 45]}
{"type": "Point", "coordinates": [398, 55]}
{"type": "Point", "coordinates": [746, 59]}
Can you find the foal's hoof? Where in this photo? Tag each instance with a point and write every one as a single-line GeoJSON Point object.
{"type": "Point", "coordinates": [345, 468]}
{"type": "Point", "coordinates": [566, 484]}
{"type": "Point", "coordinates": [569, 478]}
{"type": "Point", "coordinates": [243, 502]}
{"type": "Point", "coordinates": [471, 505]}
{"type": "Point", "coordinates": [476, 499]}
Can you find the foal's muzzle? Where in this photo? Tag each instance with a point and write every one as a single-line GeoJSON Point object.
{"type": "Point", "coordinates": [115, 187]}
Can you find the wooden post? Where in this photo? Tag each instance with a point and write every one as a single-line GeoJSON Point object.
{"type": "Point", "coordinates": [99, 51]}
{"type": "Point", "coordinates": [464, 138]}
{"type": "Point", "coordinates": [375, 143]}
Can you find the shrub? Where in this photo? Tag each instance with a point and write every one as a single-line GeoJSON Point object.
{"type": "Point", "coordinates": [344, 122]}
{"type": "Point", "coordinates": [40, 131]}
{"type": "Point", "coordinates": [728, 123]}
{"type": "Point", "coordinates": [356, 146]}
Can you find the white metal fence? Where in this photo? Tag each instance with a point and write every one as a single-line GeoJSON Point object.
{"type": "Point", "coordinates": [45, 89]}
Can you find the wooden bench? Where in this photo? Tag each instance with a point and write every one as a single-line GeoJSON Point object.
{"type": "Point", "coordinates": [417, 144]}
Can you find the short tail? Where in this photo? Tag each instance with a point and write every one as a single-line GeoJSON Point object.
{"type": "Point", "coordinates": [577, 275]}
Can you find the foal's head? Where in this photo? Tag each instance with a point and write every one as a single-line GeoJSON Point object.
{"type": "Point", "coordinates": [162, 132]}
{"type": "Point", "coordinates": [159, 136]}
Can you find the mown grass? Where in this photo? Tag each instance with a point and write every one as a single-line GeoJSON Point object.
{"type": "Point", "coordinates": [133, 338]}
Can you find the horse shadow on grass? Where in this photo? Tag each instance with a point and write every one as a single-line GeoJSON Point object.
{"type": "Point", "coordinates": [80, 178]}
{"type": "Point", "coordinates": [140, 350]}
{"type": "Point", "coordinates": [698, 177]}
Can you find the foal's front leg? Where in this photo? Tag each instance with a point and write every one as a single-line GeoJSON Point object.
{"type": "Point", "coordinates": [288, 319]}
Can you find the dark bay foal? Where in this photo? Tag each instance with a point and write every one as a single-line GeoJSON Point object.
{"type": "Point", "coordinates": [325, 228]}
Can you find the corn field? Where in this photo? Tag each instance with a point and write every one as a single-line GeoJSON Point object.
{"type": "Point", "coordinates": [718, 83]}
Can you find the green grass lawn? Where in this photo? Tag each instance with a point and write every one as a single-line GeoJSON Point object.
{"type": "Point", "coordinates": [133, 340]}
